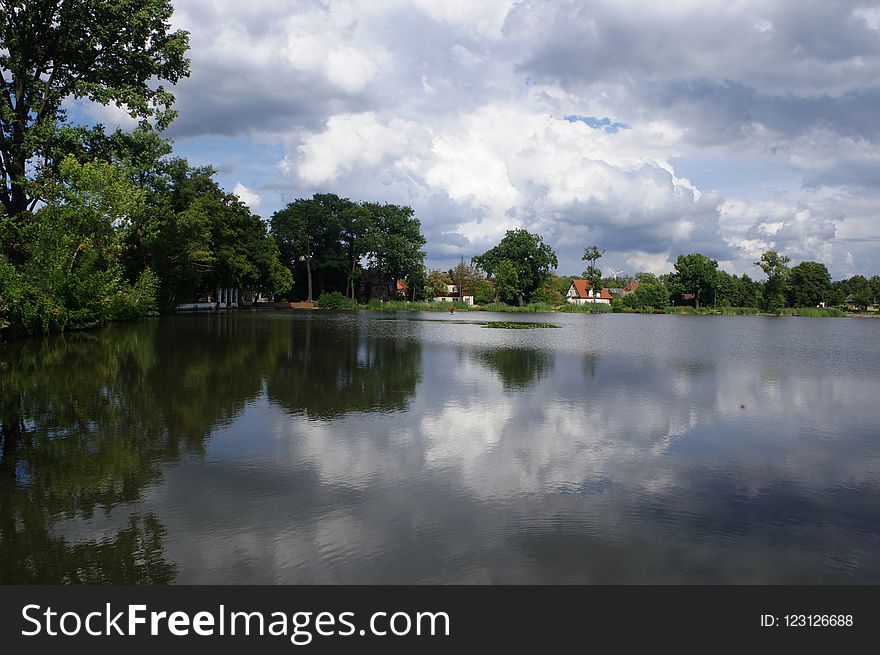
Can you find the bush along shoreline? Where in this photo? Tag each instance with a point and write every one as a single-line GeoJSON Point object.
{"type": "Point", "coordinates": [334, 300]}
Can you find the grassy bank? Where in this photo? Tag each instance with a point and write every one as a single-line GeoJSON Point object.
{"type": "Point", "coordinates": [338, 301]}
{"type": "Point", "coordinates": [812, 312]}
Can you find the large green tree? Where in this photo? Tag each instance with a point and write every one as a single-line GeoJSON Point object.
{"type": "Point", "coordinates": [696, 274]}
{"type": "Point", "coordinates": [300, 230]}
{"type": "Point", "coordinates": [866, 292]}
{"type": "Point", "coordinates": [775, 267]}
{"type": "Point", "coordinates": [507, 285]}
{"type": "Point", "coordinates": [104, 50]}
{"type": "Point", "coordinates": [809, 284]}
{"type": "Point", "coordinates": [530, 257]}
{"type": "Point", "coordinates": [354, 226]}
{"type": "Point", "coordinates": [197, 237]}
{"type": "Point", "coordinates": [395, 244]}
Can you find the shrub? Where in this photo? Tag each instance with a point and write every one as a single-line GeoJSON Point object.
{"type": "Point", "coordinates": [647, 295]}
{"type": "Point", "coordinates": [586, 308]}
{"type": "Point", "coordinates": [139, 300]}
{"type": "Point", "coordinates": [536, 306]}
{"type": "Point", "coordinates": [441, 306]}
{"type": "Point", "coordinates": [335, 300]}
{"type": "Point", "coordinates": [738, 311]}
{"type": "Point", "coordinates": [497, 307]}
{"type": "Point", "coordinates": [812, 312]}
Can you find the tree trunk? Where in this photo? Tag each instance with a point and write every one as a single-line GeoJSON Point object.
{"type": "Point", "coordinates": [15, 168]}
{"type": "Point", "coordinates": [351, 275]}
{"type": "Point", "coordinates": [309, 273]}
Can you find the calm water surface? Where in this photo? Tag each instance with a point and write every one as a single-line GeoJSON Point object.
{"type": "Point", "coordinates": [370, 447]}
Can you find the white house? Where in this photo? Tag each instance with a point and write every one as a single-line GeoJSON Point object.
{"type": "Point", "coordinates": [581, 292]}
{"type": "Point", "coordinates": [452, 295]}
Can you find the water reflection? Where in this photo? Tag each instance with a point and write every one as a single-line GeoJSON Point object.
{"type": "Point", "coordinates": [87, 422]}
{"type": "Point", "coordinates": [517, 367]}
{"type": "Point", "coordinates": [299, 448]}
{"type": "Point", "coordinates": [335, 368]}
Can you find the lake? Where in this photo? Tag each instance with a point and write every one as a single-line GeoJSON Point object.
{"type": "Point", "coordinates": [379, 447]}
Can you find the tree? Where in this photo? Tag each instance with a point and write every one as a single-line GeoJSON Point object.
{"type": "Point", "coordinates": [648, 294]}
{"type": "Point", "coordinates": [396, 242]}
{"type": "Point", "coordinates": [867, 292]}
{"type": "Point", "coordinates": [593, 274]}
{"type": "Point", "coordinates": [103, 50]}
{"type": "Point", "coordinates": [550, 291]}
{"type": "Point", "coordinates": [484, 292]}
{"type": "Point", "coordinates": [197, 237]}
{"type": "Point", "coordinates": [354, 225]}
{"type": "Point", "coordinates": [726, 292]}
{"type": "Point", "coordinates": [809, 284]}
{"type": "Point", "coordinates": [299, 230]}
{"type": "Point", "coordinates": [647, 278]}
{"type": "Point", "coordinates": [435, 284]}
{"type": "Point", "coordinates": [467, 278]}
{"type": "Point", "coordinates": [508, 287]}
{"type": "Point", "coordinates": [775, 267]}
{"type": "Point", "coordinates": [529, 256]}
{"type": "Point", "coordinates": [696, 274]}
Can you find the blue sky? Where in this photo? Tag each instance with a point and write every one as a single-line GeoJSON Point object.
{"type": "Point", "coordinates": [650, 130]}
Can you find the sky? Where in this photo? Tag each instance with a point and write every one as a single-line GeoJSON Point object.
{"type": "Point", "coordinates": [649, 129]}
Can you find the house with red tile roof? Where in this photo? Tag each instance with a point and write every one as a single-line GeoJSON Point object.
{"type": "Point", "coordinates": [581, 292]}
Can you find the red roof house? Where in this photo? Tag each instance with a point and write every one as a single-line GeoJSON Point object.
{"type": "Point", "coordinates": [581, 291]}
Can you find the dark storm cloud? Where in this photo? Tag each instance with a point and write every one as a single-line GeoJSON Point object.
{"type": "Point", "coordinates": [789, 66]}
{"type": "Point", "coordinates": [446, 103]}
{"type": "Point", "coordinates": [719, 111]}
{"type": "Point", "coordinates": [770, 44]}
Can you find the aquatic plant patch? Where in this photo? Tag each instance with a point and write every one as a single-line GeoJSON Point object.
{"type": "Point", "coordinates": [517, 325]}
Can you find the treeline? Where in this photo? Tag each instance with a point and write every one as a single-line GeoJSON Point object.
{"type": "Point", "coordinates": [696, 280]}
{"type": "Point", "coordinates": [358, 249]}
{"type": "Point", "coordinates": [519, 271]}
{"type": "Point", "coordinates": [122, 231]}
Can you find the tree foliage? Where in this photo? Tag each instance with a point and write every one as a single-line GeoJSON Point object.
{"type": "Point", "coordinates": [197, 238]}
{"type": "Point", "coordinates": [696, 274]}
{"type": "Point", "coordinates": [103, 50]}
{"type": "Point", "coordinates": [775, 267]}
{"type": "Point", "coordinates": [648, 295]}
{"type": "Point", "coordinates": [527, 256]}
{"type": "Point", "coordinates": [809, 284]}
{"type": "Point", "coordinates": [508, 287]}
{"type": "Point", "coordinates": [395, 243]}
{"type": "Point", "coordinates": [326, 233]}
{"type": "Point", "coordinates": [71, 275]}
{"type": "Point", "coordinates": [592, 274]}
{"type": "Point", "coordinates": [436, 283]}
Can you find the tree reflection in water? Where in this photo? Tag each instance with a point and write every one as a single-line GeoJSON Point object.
{"type": "Point", "coordinates": [518, 368]}
{"type": "Point", "coordinates": [88, 420]}
{"type": "Point", "coordinates": [337, 370]}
